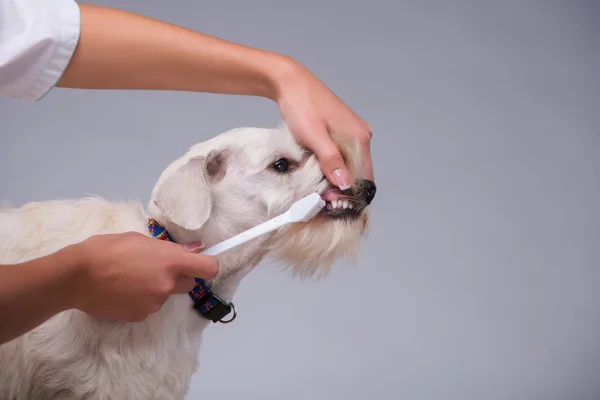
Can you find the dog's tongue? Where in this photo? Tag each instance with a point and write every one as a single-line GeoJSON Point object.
{"type": "Point", "coordinates": [334, 194]}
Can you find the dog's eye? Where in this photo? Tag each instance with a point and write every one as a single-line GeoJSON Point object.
{"type": "Point", "coordinates": [281, 165]}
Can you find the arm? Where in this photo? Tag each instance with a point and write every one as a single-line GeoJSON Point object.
{"type": "Point", "coordinates": [122, 50]}
{"type": "Point", "coordinates": [33, 291]}
{"type": "Point", "coordinates": [99, 276]}
{"type": "Point", "coordinates": [69, 45]}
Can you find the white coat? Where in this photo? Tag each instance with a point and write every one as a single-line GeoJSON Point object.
{"type": "Point", "coordinates": [37, 40]}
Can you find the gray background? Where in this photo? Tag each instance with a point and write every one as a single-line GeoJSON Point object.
{"type": "Point", "coordinates": [481, 276]}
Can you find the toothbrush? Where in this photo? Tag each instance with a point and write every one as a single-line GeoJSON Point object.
{"type": "Point", "coordinates": [301, 211]}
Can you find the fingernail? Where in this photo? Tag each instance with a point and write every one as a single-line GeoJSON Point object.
{"type": "Point", "coordinates": [341, 179]}
{"type": "Point", "coordinates": [193, 247]}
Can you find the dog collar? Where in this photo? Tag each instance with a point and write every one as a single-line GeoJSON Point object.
{"type": "Point", "coordinates": [206, 302]}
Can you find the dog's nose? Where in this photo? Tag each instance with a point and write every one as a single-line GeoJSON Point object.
{"type": "Point", "coordinates": [369, 189]}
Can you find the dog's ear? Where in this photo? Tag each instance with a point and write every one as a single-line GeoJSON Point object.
{"type": "Point", "coordinates": [184, 198]}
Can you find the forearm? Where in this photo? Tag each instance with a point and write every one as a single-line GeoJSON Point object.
{"type": "Point", "coordinates": [122, 50]}
{"type": "Point", "coordinates": [34, 291]}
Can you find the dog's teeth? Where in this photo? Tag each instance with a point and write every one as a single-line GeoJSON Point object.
{"type": "Point", "coordinates": [350, 205]}
{"type": "Point", "coordinates": [345, 203]}
{"type": "Point", "coordinates": [334, 204]}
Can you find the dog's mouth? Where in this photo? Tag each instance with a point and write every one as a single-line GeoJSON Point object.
{"type": "Point", "coordinates": [340, 205]}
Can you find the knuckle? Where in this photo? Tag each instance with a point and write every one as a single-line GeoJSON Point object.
{"type": "Point", "coordinates": [168, 287]}
{"type": "Point", "coordinates": [165, 288]}
{"type": "Point", "coordinates": [365, 138]}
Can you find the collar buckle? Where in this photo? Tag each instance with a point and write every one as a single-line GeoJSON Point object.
{"type": "Point", "coordinates": [214, 308]}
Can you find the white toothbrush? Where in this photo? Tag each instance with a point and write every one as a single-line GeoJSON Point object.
{"type": "Point", "coordinates": [301, 211]}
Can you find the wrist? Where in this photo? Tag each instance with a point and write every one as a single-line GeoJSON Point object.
{"type": "Point", "coordinates": [269, 73]}
{"type": "Point", "coordinates": [284, 72]}
{"type": "Point", "coordinates": [74, 265]}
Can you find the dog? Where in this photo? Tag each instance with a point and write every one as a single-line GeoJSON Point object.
{"type": "Point", "coordinates": [216, 190]}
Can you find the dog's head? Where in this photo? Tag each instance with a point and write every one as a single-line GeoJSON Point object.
{"type": "Point", "coordinates": [246, 176]}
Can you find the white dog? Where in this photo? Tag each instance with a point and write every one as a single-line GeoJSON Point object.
{"type": "Point", "coordinates": [219, 188]}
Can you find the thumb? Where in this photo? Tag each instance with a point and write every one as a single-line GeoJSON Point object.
{"type": "Point", "coordinates": [198, 265]}
{"type": "Point", "coordinates": [192, 264]}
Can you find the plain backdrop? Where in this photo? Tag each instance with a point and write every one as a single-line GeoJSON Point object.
{"type": "Point", "coordinates": [481, 276]}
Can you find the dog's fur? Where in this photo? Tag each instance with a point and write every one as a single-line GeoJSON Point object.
{"type": "Point", "coordinates": [217, 189]}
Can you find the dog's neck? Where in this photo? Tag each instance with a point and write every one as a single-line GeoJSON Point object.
{"type": "Point", "coordinates": [234, 265]}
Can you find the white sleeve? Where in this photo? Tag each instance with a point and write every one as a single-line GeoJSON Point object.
{"type": "Point", "coordinates": [37, 40]}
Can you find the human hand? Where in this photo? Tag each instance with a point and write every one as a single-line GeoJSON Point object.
{"type": "Point", "coordinates": [311, 111]}
{"type": "Point", "coordinates": [129, 276]}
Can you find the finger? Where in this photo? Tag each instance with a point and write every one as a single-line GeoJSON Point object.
{"type": "Point", "coordinates": [184, 284]}
{"type": "Point", "coordinates": [368, 161]}
{"type": "Point", "coordinates": [329, 156]}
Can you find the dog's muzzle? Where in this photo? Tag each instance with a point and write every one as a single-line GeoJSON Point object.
{"type": "Point", "coordinates": [348, 204]}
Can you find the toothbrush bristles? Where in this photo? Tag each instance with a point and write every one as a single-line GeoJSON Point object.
{"type": "Point", "coordinates": [315, 210]}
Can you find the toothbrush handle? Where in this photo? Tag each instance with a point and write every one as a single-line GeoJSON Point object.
{"type": "Point", "coordinates": [246, 236]}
